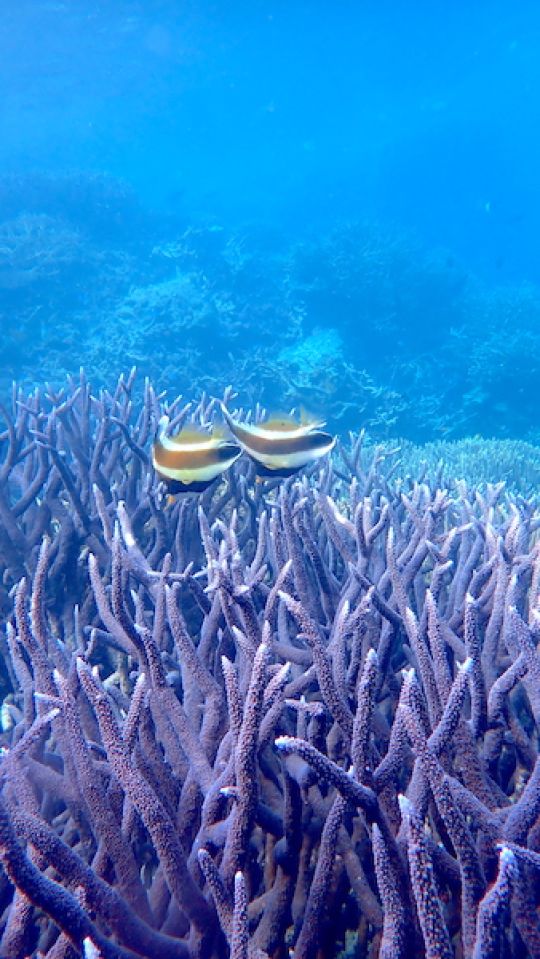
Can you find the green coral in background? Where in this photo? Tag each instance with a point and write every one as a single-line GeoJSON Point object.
{"type": "Point", "coordinates": [475, 461]}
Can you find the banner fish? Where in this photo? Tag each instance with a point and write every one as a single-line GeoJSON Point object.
{"type": "Point", "coordinates": [281, 445]}
{"type": "Point", "coordinates": [190, 461]}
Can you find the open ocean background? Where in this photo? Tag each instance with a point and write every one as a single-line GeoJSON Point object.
{"type": "Point", "coordinates": [327, 204]}
{"type": "Point", "coordinates": [269, 688]}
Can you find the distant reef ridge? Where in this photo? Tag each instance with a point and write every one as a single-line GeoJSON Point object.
{"type": "Point", "coordinates": [361, 323]}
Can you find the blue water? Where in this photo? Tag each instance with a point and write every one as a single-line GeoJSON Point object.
{"type": "Point", "coordinates": [357, 174]}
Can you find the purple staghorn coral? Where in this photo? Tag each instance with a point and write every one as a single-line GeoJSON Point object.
{"type": "Point", "coordinates": [270, 720]}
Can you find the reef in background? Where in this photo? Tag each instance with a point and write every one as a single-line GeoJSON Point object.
{"type": "Point", "coordinates": [300, 715]}
{"type": "Point", "coordinates": [361, 323]}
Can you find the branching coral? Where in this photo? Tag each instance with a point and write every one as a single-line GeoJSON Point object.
{"type": "Point", "coordinates": [300, 716]}
{"type": "Point", "coordinates": [476, 462]}
{"type": "Point", "coordinates": [35, 247]}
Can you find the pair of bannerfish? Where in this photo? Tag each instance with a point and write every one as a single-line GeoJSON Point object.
{"type": "Point", "coordinates": [279, 446]}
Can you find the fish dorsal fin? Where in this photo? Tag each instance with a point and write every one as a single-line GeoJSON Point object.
{"type": "Point", "coordinates": [309, 419]}
{"type": "Point", "coordinates": [280, 423]}
{"type": "Point", "coordinates": [220, 434]}
{"type": "Point", "coordinates": [190, 435]}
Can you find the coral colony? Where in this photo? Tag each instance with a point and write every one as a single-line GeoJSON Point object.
{"type": "Point", "coordinates": [278, 717]}
{"type": "Point", "coordinates": [87, 272]}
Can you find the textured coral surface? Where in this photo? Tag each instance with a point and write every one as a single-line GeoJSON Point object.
{"type": "Point", "coordinates": [276, 719]}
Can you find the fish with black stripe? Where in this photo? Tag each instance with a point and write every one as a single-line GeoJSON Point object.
{"type": "Point", "coordinates": [193, 459]}
{"type": "Point", "coordinates": [281, 445]}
